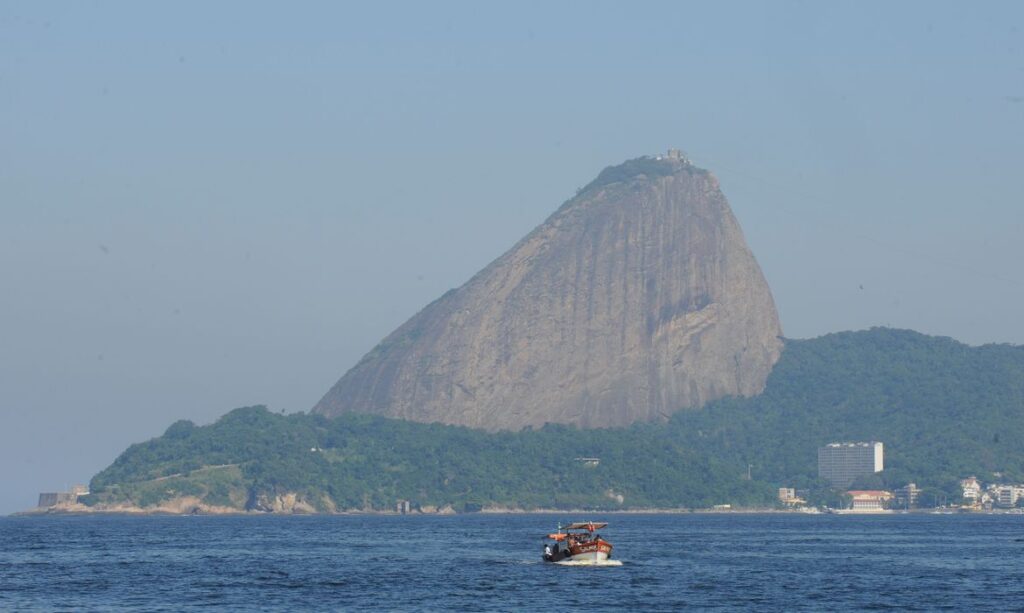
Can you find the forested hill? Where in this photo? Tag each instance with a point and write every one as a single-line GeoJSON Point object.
{"type": "Point", "coordinates": [943, 409]}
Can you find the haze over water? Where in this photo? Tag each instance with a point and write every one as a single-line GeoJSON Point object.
{"type": "Point", "coordinates": [207, 207]}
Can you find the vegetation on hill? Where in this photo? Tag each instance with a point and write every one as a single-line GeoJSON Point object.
{"type": "Point", "coordinates": [362, 461]}
{"type": "Point", "coordinates": [944, 411]}
{"type": "Point", "coordinates": [647, 166]}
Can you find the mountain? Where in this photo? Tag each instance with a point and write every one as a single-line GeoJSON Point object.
{"type": "Point", "coordinates": [943, 409]}
{"type": "Point", "coordinates": [636, 298]}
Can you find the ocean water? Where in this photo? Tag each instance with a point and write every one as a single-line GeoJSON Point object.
{"type": "Point", "coordinates": [492, 562]}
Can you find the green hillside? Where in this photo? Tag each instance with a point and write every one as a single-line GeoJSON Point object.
{"type": "Point", "coordinates": [364, 461]}
{"type": "Point", "coordinates": [944, 410]}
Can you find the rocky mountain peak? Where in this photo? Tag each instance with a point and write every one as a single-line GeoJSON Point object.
{"type": "Point", "coordinates": [635, 299]}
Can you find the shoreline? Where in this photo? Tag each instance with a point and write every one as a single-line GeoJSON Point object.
{"type": "Point", "coordinates": [200, 510]}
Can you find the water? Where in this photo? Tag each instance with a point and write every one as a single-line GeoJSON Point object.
{"type": "Point", "coordinates": [492, 562]}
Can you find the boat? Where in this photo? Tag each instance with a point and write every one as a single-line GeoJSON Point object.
{"type": "Point", "coordinates": [578, 543]}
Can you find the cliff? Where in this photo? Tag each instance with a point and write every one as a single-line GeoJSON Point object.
{"type": "Point", "coordinates": [635, 299]}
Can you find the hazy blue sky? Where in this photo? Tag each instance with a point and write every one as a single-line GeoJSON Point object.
{"type": "Point", "coordinates": [212, 205]}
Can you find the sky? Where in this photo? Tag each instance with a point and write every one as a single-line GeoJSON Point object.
{"type": "Point", "coordinates": [212, 205]}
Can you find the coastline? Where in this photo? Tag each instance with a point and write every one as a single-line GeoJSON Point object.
{"type": "Point", "coordinates": [194, 507]}
{"type": "Point", "coordinates": [187, 506]}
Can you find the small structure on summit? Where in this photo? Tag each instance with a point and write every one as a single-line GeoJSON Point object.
{"type": "Point", "coordinates": [678, 155]}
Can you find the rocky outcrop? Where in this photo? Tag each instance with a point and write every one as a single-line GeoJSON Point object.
{"type": "Point", "coordinates": [175, 505]}
{"type": "Point", "coordinates": [288, 502]}
{"type": "Point", "coordinates": [637, 298]}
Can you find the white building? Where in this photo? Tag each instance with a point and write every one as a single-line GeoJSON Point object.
{"type": "Point", "coordinates": [1006, 496]}
{"type": "Point", "coordinates": [841, 463]}
{"type": "Point", "coordinates": [869, 501]}
{"type": "Point", "coordinates": [906, 496]}
{"type": "Point", "coordinates": [971, 489]}
{"type": "Point", "coordinates": [789, 496]}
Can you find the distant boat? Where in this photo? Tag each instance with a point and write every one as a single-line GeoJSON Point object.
{"type": "Point", "coordinates": [580, 543]}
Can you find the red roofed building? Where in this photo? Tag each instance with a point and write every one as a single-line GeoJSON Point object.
{"type": "Point", "coordinates": [869, 500]}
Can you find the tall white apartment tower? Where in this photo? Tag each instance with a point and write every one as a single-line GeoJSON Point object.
{"type": "Point", "coordinates": [841, 463]}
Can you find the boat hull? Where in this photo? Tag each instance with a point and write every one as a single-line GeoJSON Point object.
{"type": "Point", "coordinates": [592, 556]}
{"type": "Point", "coordinates": [595, 551]}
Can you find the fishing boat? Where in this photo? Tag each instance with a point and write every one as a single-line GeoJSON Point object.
{"type": "Point", "coordinates": [578, 543]}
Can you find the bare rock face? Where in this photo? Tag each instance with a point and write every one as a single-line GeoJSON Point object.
{"type": "Point", "coordinates": [637, 298]}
